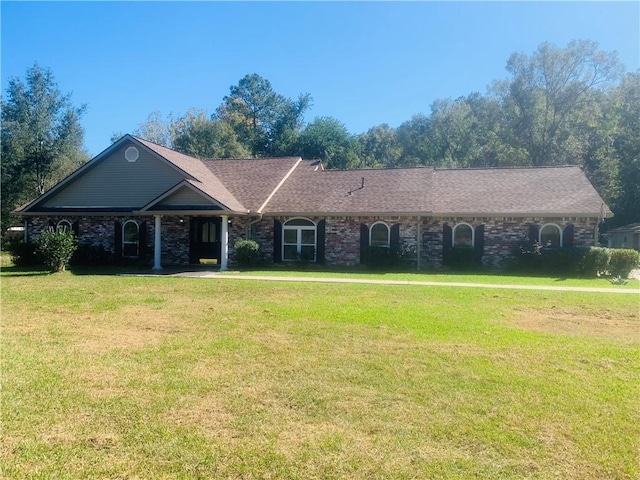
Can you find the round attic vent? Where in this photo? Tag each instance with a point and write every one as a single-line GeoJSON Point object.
{"type": "Point", "coordinates": [131, 154]}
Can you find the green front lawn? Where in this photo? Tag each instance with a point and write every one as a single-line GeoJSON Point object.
{"type": "Point", "coordinates": [137, 377]}
{"type": "Point", "coordinates": [440, 276]}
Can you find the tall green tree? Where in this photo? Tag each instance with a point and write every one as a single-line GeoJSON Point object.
{"type": "Point", "coordinates": [626, 205]}
{"type": "Point", "coordinates": [380, 147]}
{"type": "Point", "coordinates": [156, 129]}
{"type": "Point", "coordinates": [327, 139]}
{"type": "Point", "coordinates": [546, 92]}
{"type": "Point", "coordinates": [265, 122]}
{"type": "Point", "coordinates": [413, 136]}
{"type": "Point", "coordinates": [197, 135]}
{"type": "Point", "coordinates": [42, 139]}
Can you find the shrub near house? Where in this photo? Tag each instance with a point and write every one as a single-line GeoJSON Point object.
{"type": "Point", "coordinates": [588, 262]}
{"type": "Point", "coordinates": [56, 248]}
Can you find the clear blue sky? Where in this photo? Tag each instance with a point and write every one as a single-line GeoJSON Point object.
{"type": "Point", "coordinates": [363, 63]}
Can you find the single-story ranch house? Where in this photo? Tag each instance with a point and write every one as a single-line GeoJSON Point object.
{"type": "Point", "coordinates": [141, 200]}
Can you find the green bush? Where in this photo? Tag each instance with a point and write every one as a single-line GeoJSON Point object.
{"type": "Point", "coordinates": [56, 248]}
{"type": "Point", "coordinates": [462, 257]}
{"type": "Point", "coordinates": [587, 262]}
{"type": "Point", "coordinates": [623, 260]}
{"type": "Point", "coordinates": [92, 255]}
{"type": "Point", "coordinates": [22, 254]}
{"type": "Point", "coordinates": [533, 258]}
{"type": "Point", "coordinates": [595, 261]}
{"type": "Point", "coordinates": [246, 252]}
{"type": "Point", "coordinates": [565, 261]}
{"type": "Point", "coordinates": [379, 258]}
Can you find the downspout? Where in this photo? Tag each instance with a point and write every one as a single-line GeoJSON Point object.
{"type": "Point", "coordinates": [419, 243]}
{"type": "Point", "coordinates": [596, 231]}
{"type": "Point", "coordinates": [250, 224]}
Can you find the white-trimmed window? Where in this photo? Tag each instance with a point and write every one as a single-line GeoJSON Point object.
{"type": "Point", "coordinates": [63, 226]}
{"type": "Point", "coordinates": [130, 239]}
{"type": "Point", "coordinates": [379, 235]}
{"type": "Point", "coordinates": [299, 240]}
{"type": "Point", "coordinates": [462, 235]}
{"type": "Point", "coordinates": [551, 235]}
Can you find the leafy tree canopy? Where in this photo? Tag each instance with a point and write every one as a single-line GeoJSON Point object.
{"type": "Point", "coordinates": [42, 139]}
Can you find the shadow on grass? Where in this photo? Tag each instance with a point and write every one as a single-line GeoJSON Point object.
{"type": "Point", "coordinates": [359, 270]}
{"type": "Point", "coordinates": [23, 272]}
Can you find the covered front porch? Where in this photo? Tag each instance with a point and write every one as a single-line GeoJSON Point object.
{"type": "Point", "coordinates": [191, 239]}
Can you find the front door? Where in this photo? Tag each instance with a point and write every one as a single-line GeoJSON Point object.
{"type": "Point", "coordinates": [205, 240]}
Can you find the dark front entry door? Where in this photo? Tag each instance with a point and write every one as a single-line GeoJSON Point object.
{"type": "Point", "coordinates": [205, 239]}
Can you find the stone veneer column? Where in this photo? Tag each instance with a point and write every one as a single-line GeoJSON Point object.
{"type": "Point", "coordinates": [224, 247]}
{"type": "Point", "coordinates": [157, 243]}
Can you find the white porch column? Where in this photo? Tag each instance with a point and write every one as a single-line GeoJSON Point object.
{"type": "Point", "coordinates": [157, 244]}
{"type": "Point", "coordinates": [224, 241]}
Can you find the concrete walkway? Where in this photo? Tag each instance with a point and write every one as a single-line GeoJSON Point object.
{"type": "Point", "coordinates": [269, 278]}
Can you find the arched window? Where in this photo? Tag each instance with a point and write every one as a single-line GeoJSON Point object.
{"type": "Point", "coordinates": [463, 235]}
{"type": "Point", "coordinates": [299, 240]}
{"type": "Point", "coordinates": [379, 235]}
{"type": "Point", "coordinates": [63, 226]}
{"type": "Point", "coordinates": [550, 235]}
{"type": "Point", "coordinates": [130, 239]}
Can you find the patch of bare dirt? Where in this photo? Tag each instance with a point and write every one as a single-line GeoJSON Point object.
{"type": "Point", "coordinates": [574, 321]}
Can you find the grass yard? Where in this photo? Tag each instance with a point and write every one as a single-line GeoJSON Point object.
{"type": "Point", "coordinates": [140, 377]}
{"type": "Point", "coordinates": [497, 278]}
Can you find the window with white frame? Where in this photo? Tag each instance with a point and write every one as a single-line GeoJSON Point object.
{"type": "Point", "coordinates": [550, 235]}
{"type": "Point", "coordinates": [130, 239]}
{"type": "Point", "coordinates": [462, 235]}
{"type": "Point", "coordinates": [63, 226]}
{"type": "Point", "coordinates": [299, 240]}
{"type": "Point", "coordinates": [379, 235]}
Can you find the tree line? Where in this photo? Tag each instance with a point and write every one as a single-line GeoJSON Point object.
{"type": "Point", "coordinates": [558, 106]}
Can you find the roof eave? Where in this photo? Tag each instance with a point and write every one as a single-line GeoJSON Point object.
{"type": "Point", "coordinates": [346, 214]}
{"type": "Point", "coordinates": [433, 214]}
{"type": "Point", "coordinates": [199, 213]}
{"type": "Point", "coordinates": [522, 214]}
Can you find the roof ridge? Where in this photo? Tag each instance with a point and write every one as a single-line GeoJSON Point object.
{"type": "Point", "coordinates": [384, 169]}
{"type": "Point", "coordinates": [514, 167]}
{"type": "Point", "coordinates": [217, 159]}
{"type": "Point", "coordinates": [275, 190]}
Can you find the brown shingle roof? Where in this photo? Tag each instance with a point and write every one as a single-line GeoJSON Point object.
{"type": "Point", "coordinates": [548, 191]}
{"type": "Point", "coordinates": [293, 186]}
{"type": "Point", "coordinates": [252, 181]}
{"type": "Point", "coordinates": [515, 191]}
{"type": "Point", "coordinates": [393, 191]}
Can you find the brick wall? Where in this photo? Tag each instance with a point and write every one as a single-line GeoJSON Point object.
{"type": "Point", "coordinates": [502, 236]}
{"type": "Point", "coordinates": [174, 232]}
